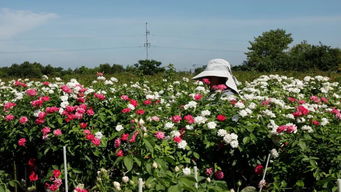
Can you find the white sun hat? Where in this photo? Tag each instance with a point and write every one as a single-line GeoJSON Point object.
{"type": "Point", "coordinates": [219, 68]}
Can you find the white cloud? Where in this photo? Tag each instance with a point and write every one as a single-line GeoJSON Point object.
{"type": "Point", "coordinates": [13, 22]}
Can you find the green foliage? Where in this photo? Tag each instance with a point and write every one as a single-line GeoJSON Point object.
{"type": "Point", "coordinates": [267, 52]}
{"type": "Point", "coordinates": [149, 67]}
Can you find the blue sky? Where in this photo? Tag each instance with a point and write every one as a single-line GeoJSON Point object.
{"type": "Point", "coordinates": [186, 33]}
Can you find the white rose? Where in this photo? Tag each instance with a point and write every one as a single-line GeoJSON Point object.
{"type": "Point", "coordinates": [119, 127]}
{"type": "Point", "coordinates": [125, 179]}
{"type": "Point", "coordinates": [186, 171]}
{"type": "Point", "coordinates": [211, 125]}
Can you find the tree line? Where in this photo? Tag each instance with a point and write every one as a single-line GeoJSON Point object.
{"type": "Point", "coordinates": [36, 70]}
{"type": "Point", "coordinates": [270, 52]}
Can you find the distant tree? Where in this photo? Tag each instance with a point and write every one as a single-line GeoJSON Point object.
{"type": "Point", "coordinates": [149, 67]}
{"type": "Point", "coordinates": [106, 68]}
{"type": "Point", "coordinates": [324, 57]}
{"type": "Point", "coordinates": [199, 69]}
{"type": "Point", "coordinates": [116, 68]}
{"type": "Point", "coordinates": [82, 70]}
{"type": "Point", "coordinates": [267, 51]}
{"type": "Point", "coordinates": [304, 57]}
{"type": "Point", "coordinates": [298, 55]}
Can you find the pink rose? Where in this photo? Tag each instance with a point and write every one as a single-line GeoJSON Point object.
{"type": "Point", "coordinates": [46, 130]}
{"type": "Point", "coordinates": [140, 111]}
{"type": "Point", "coordinates": [31, 92]}
{"type": "Point", "coordinates": [117, 143]}
{"type": "Point", "coordinates": [197, 97]}
{"type": "Point", "coordinates": [99, 96]}
{"type": "Point", "coordinates": [176, 118]}
{"type": "Point", "coordinates": [9, 117]}
{"type": "Point", "coordinates": [57, 132]}
{"type": "Point", "coordinates": [22, 142]}
{"type": "Point", "coordinates": [96, 141]}
{"type": "Point", "coordinates": [160, 135]}
{"type": "Point", "coordinates": [177, 139]}
{"type": "Point", "coordinates": [155, 118]}
{"type": "Point", "coordinates": [219, 175]}
{"type": "Point", "coordinates": [134, 102]}
{"type": "Point", "coordinates": [66, 89]}
{"type": "Point", "coordinates": [206, 81]}
{"type": "Point", "coordinates": [189, 119]}
{"type": "Point", "coordinates": [23, 120]}
{"type": "Point", "coordinates": [209, 171]}
{"type": "Point", "coordinates": [125, 97]}
{"type": "Point", "coordinates": [119, 153]}
{"type": "Point", "coordinates": [126, 110]}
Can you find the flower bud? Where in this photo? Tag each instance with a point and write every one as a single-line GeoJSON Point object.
{"type": "Point", "coordinates": [155, 165]}
{"type": "Point", "coordinates": [125, 179]}
{"type": "Point", "coordinates": [177, 169]}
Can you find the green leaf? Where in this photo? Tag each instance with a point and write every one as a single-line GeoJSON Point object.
{"type": "Point", "coordinates": [246, 140]}
{"type": "Point", "coordinates": [12, 183]}
{"type": "Point", "coordinates": [148, 145]}
{"type": "Point", "coordinates": [128, 162]}
{"type": "Point", "coordinates": [300, 183]}
{"type": "Point", "coordinates": [60, 121]}
{"type": "Point", "coordinates": [138, 161]}
{"type": "Point", "coordinates": [249, 189]}
{"type": "Point", "coordinates": [188, 181]}
{"type": "Point", "coordinates": [174, 188]}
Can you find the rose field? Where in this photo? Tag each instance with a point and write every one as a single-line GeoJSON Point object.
{"type": "Point", "coordinates": [172, 132]}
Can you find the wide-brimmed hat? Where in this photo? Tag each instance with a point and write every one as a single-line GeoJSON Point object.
{"type": "Point", "coordinates": [219, 68]}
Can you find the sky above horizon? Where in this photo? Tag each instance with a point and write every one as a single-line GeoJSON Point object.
{"type": "Point", "coordinates": [185, 33]}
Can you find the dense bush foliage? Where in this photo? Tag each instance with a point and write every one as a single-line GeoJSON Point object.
{"type": "Point", "coordinates": [270, 52]}
{"type": "Point", "coordinates": [161, 131]}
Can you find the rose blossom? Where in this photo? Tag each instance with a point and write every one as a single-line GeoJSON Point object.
{"type": "Point", "coordinates": [124, 97]}
{"type": "Point", "coordinates": [57, 132]}
{"type": "Point", "coordinates": [189, 119]}
{"type": "Point", "coordinates": [31, 92]}
{"type": "Point", "coordinates": [221, 118]}
{"type": "Point", "coordinates": [119, 153]}
{"type": "Point", "coordinates": [219, 175]}
{"type": "Point", "coordinates": [117, 143]}
{"type": "Point", "coordinates": [9, 117]}
{"type": "Point", "coordinates": [259, 169]}
{"type": "Point", "coordinates": [160, 135]}
{"type": "Point", "coordinates": [176, 118]}
{"type": "Point", "coordinates": [22, 142]}
{"type": "Point", "coordinates": [209, 171]}
{"type": "Point", "coordinates": [23, 120]}
{"type": "Point", "coordinates": [56, 173]}
{"type": "Point", "coordinates": [33, 176]}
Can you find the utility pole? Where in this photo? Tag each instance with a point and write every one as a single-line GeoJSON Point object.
{"type": "Point", "coordinates": [147, 44]}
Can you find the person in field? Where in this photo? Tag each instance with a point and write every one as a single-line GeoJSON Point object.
{"type": "Point", "coordinates": [219, 76]}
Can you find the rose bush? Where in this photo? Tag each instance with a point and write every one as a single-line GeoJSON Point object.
{"type": "Point", "coordinates": [162, 131]}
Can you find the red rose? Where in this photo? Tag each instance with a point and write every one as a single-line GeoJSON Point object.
{"type": "Point", "coordinates": [33, 176]}
{"type": "Point", "coordinates": [120, 153]}
{"type": "Point", "coordinates": [219, 175]}
{"type": "Point", "coordinates": [56, 173]}
{"type": "Point", "coordinates": [259, 169]}
{"type": "Point", "coordinates": [140, 111]}
{"type": "Point", "coordinates": [221, 118]}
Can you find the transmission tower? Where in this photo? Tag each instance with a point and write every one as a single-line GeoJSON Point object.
{"type": "Point", "coordinates": [147, 44]}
